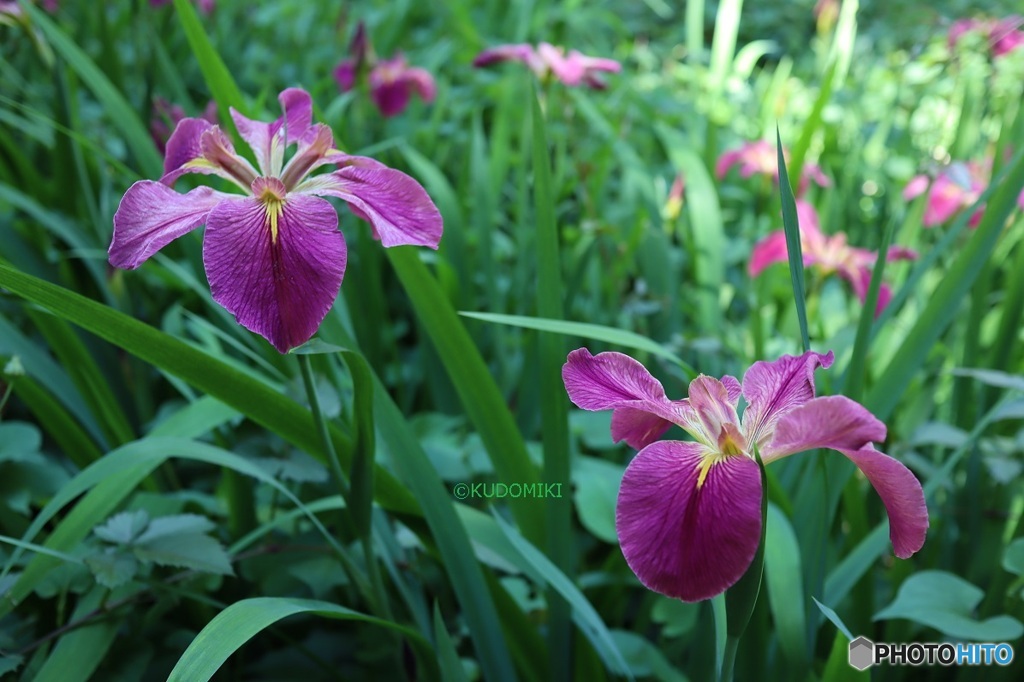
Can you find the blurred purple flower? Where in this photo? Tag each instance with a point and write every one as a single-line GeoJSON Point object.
{"type": "Point", "coordinates": [392, 81]}
{"type": "Point", "coordinates": [548, 61]}
{"type": "Point", "coordinates": [956, 187]}
{"type": "Point", "coordinates": [1001, 35]}
{"type": "Point", "coordinates": [688, 515]}
{"type": "Point", "coordinates": [830, 254]}
{"type": "Point", "coordinates": [10, 8]}
{"type": "Point", "coordinates": [274, 256]}
{"type": "Point", "coordinates": [761, 158]}
{"type": "Point", "coordinates": [166, 117]}
{"type": "Point", "coordinates": [205, 6]}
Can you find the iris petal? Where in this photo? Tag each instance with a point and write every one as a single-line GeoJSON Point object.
{"type": "Point", "coordinates": [680, 540]}
{"type": "Point", "coordinates": [396, 206]}
{"type": "Point", "coordinates": [773, 388]}
{"type": "Point", "coordinates": [614, 381]}
{"type": "Point", "coordinates": [152, 215]}
{"type": "Point", "coordinates": [279, 288]}
{"type": "Point", "coordinates": [840, 424]}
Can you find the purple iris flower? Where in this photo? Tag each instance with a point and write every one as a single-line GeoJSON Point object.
{"type": "Point", "coordinates": [689, 513]}
{"type": "Point", "coordinates": [274, 256]}
{"type": "Point", "coordinates": [548, 61]}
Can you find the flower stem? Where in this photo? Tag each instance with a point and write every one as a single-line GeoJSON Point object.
{"type": "Point", "coordinates": [375, 594]}
{"type": "Point", "coordinates": [729, 658]}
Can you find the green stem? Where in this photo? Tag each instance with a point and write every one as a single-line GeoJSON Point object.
{"type": "Point", "coordinates": [374, 593]}
{"type": "Point", "coordinates": [729, 658]}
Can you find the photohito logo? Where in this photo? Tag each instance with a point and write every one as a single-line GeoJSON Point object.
{"type": "Point", "coordinates": [864, 653]}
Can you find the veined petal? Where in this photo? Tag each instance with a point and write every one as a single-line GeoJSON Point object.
{"type": "Point", "coordinates": [283, 287]}
{"type": "Point", "coordinates": [151, 215]}
{"type": "Point", "coordinates": [615, 381]}
{"type": "Point", "coordinates": [828, 422]}
{"type": "Point", "coordinates": [396, 206]}
{"type": "Point", "coordinates": [298, 113]}
{"type": "Point", "coordinates": [732, 389]}
{"type": "Point", "coordinates": [268, 140]}
{"type": "Point", "coordinates": [184, 145]}
{"type": "Point", "coordinates": [774, 388]}
{"type": "Point", "coordinates": [685, 541]}
{"type": "Point", "coordinates": [215, 155]}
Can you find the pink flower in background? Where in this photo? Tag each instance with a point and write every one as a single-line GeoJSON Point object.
{"type": "Point", "coordinates": [392, 81]}
{"type": "Point", "coordinates": [760, 158]}
{"type": "Point", "coordinates": [9, 9]}
{"type": "Point", "coordinates": [1002, 35]}
{"type": "Point", "coordinates": [166, 117]}
{"type": "Point", "coordinates": [955, 188]}
{"type": "Point", "coordinates": [688, 515]}
{"type": "Point", "coordinates": [827, 253]}
{"type": "Point", "coordinates": [548, 61]}
{"type": "Point", "coordinates": [206, 6]}
{"type": "Point", "coordinates": [273, 255]}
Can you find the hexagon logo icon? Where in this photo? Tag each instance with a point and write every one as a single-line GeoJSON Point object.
{"type": "Point", "coordinates": [862, 653]}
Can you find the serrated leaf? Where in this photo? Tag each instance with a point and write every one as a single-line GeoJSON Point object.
{"type": "Point", "coordinates": [188, 550]}
{"type": "Point", "coordinates": [112, 569]}
{"type": "Point", "coordinates": [123, 528]}
{"type": "Point", "coordinates": [9, 663]}
{"type": "Point", "coordinates": [946, 602]}
{"type": "Point", "coordinates": [179, 524]}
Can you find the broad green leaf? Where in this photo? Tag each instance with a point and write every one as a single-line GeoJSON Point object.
{"type": "Point", "coordinates": [1013, 557]}
{"type": "Point", "coordinates": [991, 377]}
{"type": "Point", "coordinates": [644, 658]}
{"type": "Point", "coordinates": [112, 568]}
{"type": "Point", "coordinates": [177, 524]}
{"type": "Point", "coordinates": [234, 388]}
{"type": "Point", "coordinates": [123, 528]}
{"type": "Point", "coordinates": [241, 621]}
{"type": "Point", "coordinates": [479, 394]}
{"type": "Point", "coordinates": [18, 439]}
{"type": "Point", "coordinates": [947, 602]}
{"type": "Point", "coordinates": [784, 581]}
{"type": "Point", "coordinates": [186, 550]}
{"type": "Point", "coordinates": [595, 495]}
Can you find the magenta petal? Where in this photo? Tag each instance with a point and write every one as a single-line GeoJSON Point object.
{"type": "Point", "coordinates": [396, 206]}
{"type": "Point", "coordinates": [770, 250]}
{"type": "Point", "coordinates": [710, 400]}
{"type": "Point", "coordinates": [152, 215]}
{"type": "Point", "coordinates": [901, 494]}
{"type": "Point", "coordinates": [828, 422]}
{"type": "Point", "coordinates": [773, 388]}
{"type": "Point", "coordinates": [345, 75]}
{"type": "Point", "coordinates": [391, 97]}
{"type": "Point", "coordinates": [298, 113]}
{"type": "Point", "coordinates": [281, 289]}
{"type": "Point", "coordinates": [637, 427]}
{"type": "Point", "coordinates": [687, 542]}
{"type": "Point", "coordinates": [184, 145]}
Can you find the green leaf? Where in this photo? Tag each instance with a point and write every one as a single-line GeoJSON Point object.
{"type": "Point", "coordinates": [123, 528]}
{"type": "Point", "coordinates": [596, 332]}
{"type": "Point", "coordinates": [595, 495]}
{"type": "Point", "coordinates": [1013, 557]}
{"type": "Point", "coordinates": [178, 524]}
{"type": "Point", "coordinates": [253, 398]}
{"type": "Point", "coordinates": [121, 114]}
{"type": "Point", "coordinates": [364, 447]}
{"type": "Point", "coordinates": [991, 377]}
{"type": "Point", "coordinates": [475, 384]}
{"type": "Point", "coordinates": [447, 656]}
{"type": "Point", "coordinates": [947, 602]}
{"type": "Point", "coordinates": [17, 440]}
{"type": "Point", "coordinates": [112, 568]}
{"type": "Point", "coordinates": [944, 303]}
{"type": "Point", "coordinates": [644, 658]}
{"type": "Point", "coordinates": [241, 621]}
{"type": "Point", "coordinates": [784, 580]}
{"type": "Point", "coordinates": [79, 653]}
{"type": "Point", "coordinates": [218, 77]}
{"type": "Point", "coordinates": [186, 550]}
{"type": "Point", "coordinates": [791, 227]}
{"type": "Point", "coordinates": [834, 619]}
{"type": "Point", "coordinates": [741, 598]}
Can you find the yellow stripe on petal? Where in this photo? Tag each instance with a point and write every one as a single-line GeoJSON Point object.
{"type": "Point", "coordinates": [271, 193]}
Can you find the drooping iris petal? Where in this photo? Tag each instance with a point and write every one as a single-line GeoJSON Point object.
{"type": "Point", "coordinates": [152, 215]}
{"type": "Point", "coordinates": [840, 424]}
{"type": "Point", "coordinates": [614, 381]}
{"type": "Point", "coordinates": [279, 288]}
{"type": "Point", "coordinates": [770, 250]}
{"type": "Point", "coordinates": [687, 542]}
{"type": "Point", "coordinates": [396, 206]}
{"type": "Point", "coordinates": [826, 422]}
{"type": "Point", "coordinates": [773, 388]}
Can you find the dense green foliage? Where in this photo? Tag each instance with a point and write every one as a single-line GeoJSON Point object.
{"type": "Point", "coordinates": [173, 488]}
